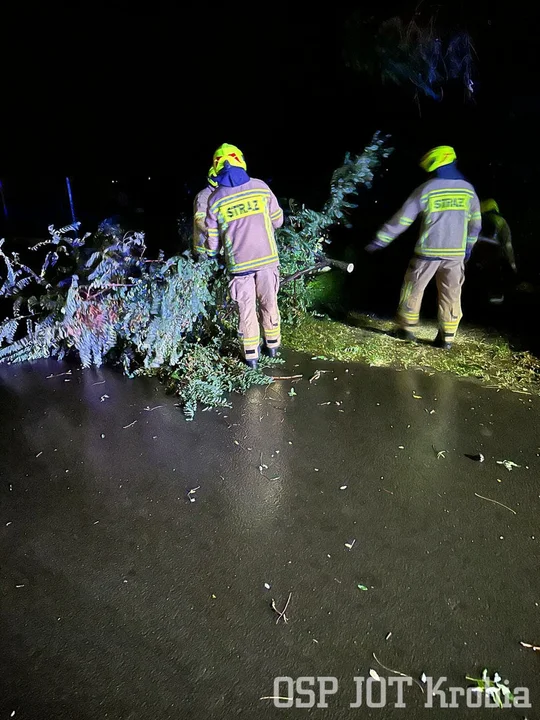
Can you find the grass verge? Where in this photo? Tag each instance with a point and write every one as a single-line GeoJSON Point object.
{"type": "Point", "coordinates": [476, 354]}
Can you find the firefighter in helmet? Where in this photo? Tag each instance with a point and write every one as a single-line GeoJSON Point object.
{"type": "Point", "coordinates": [451, 220]}
{"type": "Point", "coordinates": [242, 215]}
{"type": "Point", "coordinates": [494, 257]}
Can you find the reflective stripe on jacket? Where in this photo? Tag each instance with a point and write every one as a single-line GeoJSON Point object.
{"type": "Point", "coordinates": [243, 219]}
{"type": "Point", "coordinates": [451, 219]}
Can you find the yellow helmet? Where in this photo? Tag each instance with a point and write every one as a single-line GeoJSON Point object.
{"type": "Point", "coordinates": [487, 206]}
{"type": "Point", "coordinates": [212, 177]}
{"type": "Point", "coordinates": [437, 157]}
{"type": "Point", "coordinates": [231, 153]}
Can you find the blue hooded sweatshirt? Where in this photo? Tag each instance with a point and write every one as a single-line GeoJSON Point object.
{"type": "Point", "coordinates": [232, 176]}
{"type": "Point", "coordinates": [449, 172]}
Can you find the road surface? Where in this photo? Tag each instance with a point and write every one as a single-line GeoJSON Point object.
{"type": "Point", "coordinates": [126, 596]}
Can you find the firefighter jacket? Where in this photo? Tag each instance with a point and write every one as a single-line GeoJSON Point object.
{"type": "Point", "coordinates": [243, 220]}
{"type": "Point", "coordinates": [200, 206]}
{"type": "Point", "coordinates": [451, 219]}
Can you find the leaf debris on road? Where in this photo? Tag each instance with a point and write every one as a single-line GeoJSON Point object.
{"type": "Point", "coordinates": [508, 464]}
{"type": "Point", "coordinates": [477, 458]}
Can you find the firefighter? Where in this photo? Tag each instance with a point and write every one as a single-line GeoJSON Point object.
{"type": "Point", "coordinates": [451, 221]}
{"type": "Point", "coordinates": [494, 253]}
{"type": "Point", "coordinates": [200, 206]}
{"type": "Point", "coordinates": [242, 215]}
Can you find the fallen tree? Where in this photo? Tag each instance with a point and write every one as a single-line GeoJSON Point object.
{"type": "Point", "coordinates": [99, 298]}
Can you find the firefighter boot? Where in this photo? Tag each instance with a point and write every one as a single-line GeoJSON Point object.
{"type": "Point", "coordinates": [272, 352]}
{"type": "Point", "coordinates": [441, 342]}
{"type": "Point", "coordinates": [405, 334]}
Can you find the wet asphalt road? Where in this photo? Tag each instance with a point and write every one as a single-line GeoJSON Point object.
{"type": "Point", "coordinates": [123, 599]}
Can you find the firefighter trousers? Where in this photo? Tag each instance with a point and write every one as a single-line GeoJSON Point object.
{"type": "Point", "coordinates": [449, 275]}
{"type": "Point", "coordinates": [256, 297]}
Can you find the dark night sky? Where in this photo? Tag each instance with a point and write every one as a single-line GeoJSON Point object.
{"type": "Point", "coordinates": [157, 86]}
{"type": "Point", "coordinates": [132, 89]}
{"type": "Point", "coordinates": [116, 91]}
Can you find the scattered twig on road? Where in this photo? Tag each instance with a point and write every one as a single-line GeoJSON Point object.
{"type": "Point", "coordinates": [317, 374]}
{"type": "Point", "coordinates": [498, 389]}
{"type": "Point", "coordinates": [396, 672]}
{"type": "Point", "coordinates": [130, 425]}
{"type": "Point", "coordinates": [286, 377]}
{"type": "Point", "coordinates": [496, 503]}
{"type": "Point", "coordinates": [149, 409]}
{"type": "Point", "coordinates": [262, 467]}
{"type": "Point", "coordinates": [101, 382]}
{"type": "Point", "coordinates": [59, 375]}
{"type": "Point", "coordinates": [192, 492]}
{"type": "Point", "coordinates": [276, 697]}
{"type": "Point", "coordinates": [532, 647]}
{"type": "Point", "coordinates": [281, 615]}
{"type": "Point", "coordinates": [439, 453]}
{"type": "Point", "coordinates": [236, 442]}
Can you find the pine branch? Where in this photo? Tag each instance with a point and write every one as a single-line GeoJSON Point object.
{"type": "Point", "coordinates": [170, 317]}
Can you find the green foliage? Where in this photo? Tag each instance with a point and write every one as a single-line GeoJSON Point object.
{"type": "Point", "coordinates": [495, 687]}
{"type": "Point", "coordinates": [99, 298]}
{"type": "Point", "coordinates": [207, 375]}
{"type": "Point", "coordinates": [476, 354]}
{"type": "Point", "coordinates": [109, 303]}
{"type": "Point", "coordinates": [302, 240]}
